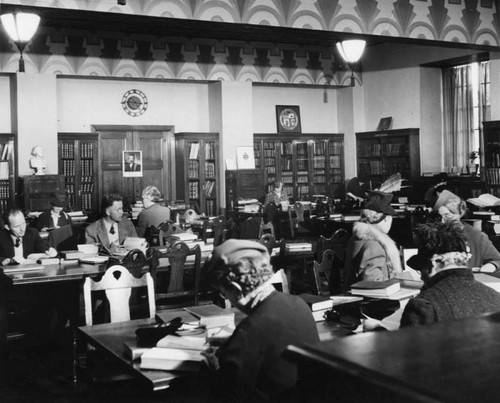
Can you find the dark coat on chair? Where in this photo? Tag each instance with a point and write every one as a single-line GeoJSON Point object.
{"type": "Point", "coordinates": [32, 243]}
{"type": "Point", "coordinates": [450, 294]}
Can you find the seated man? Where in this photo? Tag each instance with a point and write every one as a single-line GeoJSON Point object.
{"type": "Point", "coordinates": [17, 241]}
{"type": "Point", "coordinates": [450, 290]}
{"type": "Point", "coordinates": [250, 366]}
{"type": "Point", "coordinates": [111, 230]}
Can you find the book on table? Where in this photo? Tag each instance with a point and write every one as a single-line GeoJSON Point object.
{"type": "Point", "coordinates": [376, 288]}
{"type": "Point", "coordinates": [320, 304]}
{"type": "Point", "coordinates": [171, 359]}
{"type": "Point", "coordinates": [490, 281]}
{"type": "Point", "coordinates": [134, 352]}
{"type": "Point", "coordinates": [212, 315]}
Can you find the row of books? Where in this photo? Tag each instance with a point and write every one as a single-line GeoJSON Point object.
{"type": "Point", "coordinates": [193, 169]}
{"type": "Point", "coordinates": [67, 150]}
{"type": "Point", "coordinates": [5, 189]}
{"type": "Point", "coordinates": [87, 167]}
{"type": "Point", "coordinates": [86, 149]}
{"type": "Point", "coordinates": [210, 150]}
{"type": "Point", "coordinates": [493, 176]}
{"type": "Point", "coordinates": [301, 149]}
{"type": "Point", "coordinates": [4, 170]}
{"type": "Point", "coordinates": [208, 188]}
{"type": "Point", "coordinates": [269, 153]}
{"type": "Point", "coordinates": [193, 190]}
{"type": "Point", "coordinates": [210, 169]}
{"type": "Point", "coordinates": [5, 151]}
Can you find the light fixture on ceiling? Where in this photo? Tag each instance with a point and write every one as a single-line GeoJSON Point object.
{"type": "Point", "coordinates": [351, 51]}
{"type": "Point", "coordinates": [20, 27]}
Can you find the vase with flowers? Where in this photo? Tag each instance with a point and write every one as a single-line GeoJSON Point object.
{"type": "Point", "coordinates": [473, 166]}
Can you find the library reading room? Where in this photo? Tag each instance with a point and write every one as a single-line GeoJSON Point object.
{"type": "Point", "coordinates": [248, 200]}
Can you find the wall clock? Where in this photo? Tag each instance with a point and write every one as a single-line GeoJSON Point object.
{"type": "Point", "coordinates": [134, 102]}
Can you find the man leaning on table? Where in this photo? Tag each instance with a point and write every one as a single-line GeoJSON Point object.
{"type": "Point", "coordinates": [112, 229]}
{"type": "Point", "coordinates": [17, 241]}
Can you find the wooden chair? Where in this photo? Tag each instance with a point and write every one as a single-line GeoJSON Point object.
{"type": "Point", "coordinates": [280, 281]}
{"type": "Point", "coordinates": [271, 243]}
{"type": "Point", "coordinates": [322, 272]}
{"type": "Point", "coordinates": [116, 284]}
{"type": "Point", "coordinates": [177, 255]}
{"type": "Point", "coordinates": [338, 244]}
{"type": "Point", "coordinates": [168, 229]}
{"type": "Point", "coordinates": [219, 229]}
{"type": "Point", "coordinates": [269, 218]}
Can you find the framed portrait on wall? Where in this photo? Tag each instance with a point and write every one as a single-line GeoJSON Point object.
{"type": "Point", "coordinates": [288, 118]}
{"type": "Point", "coordinates": [132, 163]}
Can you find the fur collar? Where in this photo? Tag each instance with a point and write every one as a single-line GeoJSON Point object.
{"type": "Point", "coordinates": [364, 232]}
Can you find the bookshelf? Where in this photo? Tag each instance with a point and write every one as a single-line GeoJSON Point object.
{"type": "Point", "coordinates": [36, 190]}
{"type": "Point", "coordinates": [490, 158]}
{"type": "Point", "coordinates": [197, 170]}
{"type": "Point", "coordinates": [78, 163]}
{"type": "Point", "coordinates": [383, 153]}
{"type": "Point", "coordinates": [244, 184]}
{"type": "Point", "coordinates": [7, 172]}
{"type": "Point", "coordinates": [308, 164]}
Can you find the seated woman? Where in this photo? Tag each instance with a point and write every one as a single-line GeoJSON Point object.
{"type": "Point", "coordinates": [484, 254]}
{"type": "Point", "coordinates": [276, 195]}
{"type": "Point", "coordinates": [153, 214]}
{"type": "Point", "coordinates": [56, 217]}
{"type": "Point", "coordinates": [250, 365]}
{"type": "Point", "coordinates": [450, 290]}
{"type": "Point", "coordinates": [371, 254]}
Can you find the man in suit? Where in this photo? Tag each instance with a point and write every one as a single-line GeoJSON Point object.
{"type": "Point", "coordinates": [111, 230]}
{"type": "Point", "coordinates": [131, 165]}
{"type": "Point", "coordinates": [17, 241]}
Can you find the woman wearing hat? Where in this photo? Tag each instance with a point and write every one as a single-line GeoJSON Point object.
{"type": "Point", "coordinates": [484, 254]}
{"type": "Point", "coordinates": [450, 290]}
{"type": "Point", "coordinates": [250, 365]}
{"type": "Point", "coordinates": [55, 217]}
{"type": "Point", "coordinates": [371, 254]}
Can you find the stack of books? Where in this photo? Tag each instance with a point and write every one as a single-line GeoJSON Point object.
{"type": "Point", "coordinates": [376, 288]}
{"type": "Point", "coordinates": [136, 209]}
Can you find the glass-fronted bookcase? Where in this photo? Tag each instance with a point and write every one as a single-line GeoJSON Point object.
{"type": "Point", "coordinates": [308, 164]}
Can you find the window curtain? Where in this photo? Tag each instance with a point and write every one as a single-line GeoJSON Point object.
{"type": "Point", "coordinates": [458, 125]}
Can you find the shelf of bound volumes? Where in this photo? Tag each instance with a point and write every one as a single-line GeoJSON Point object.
{"type": "Point", "coordinates": [307, 164]}
{"type": "Point", "coordinates": [197, 177]}
{"type": "Point", "coordinates": [77, 162]}
{"type": "Point", "coordinates": [7, 172]}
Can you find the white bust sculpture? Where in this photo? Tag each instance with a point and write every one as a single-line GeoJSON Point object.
{"type": "Point", "coordinates": [37, 162]}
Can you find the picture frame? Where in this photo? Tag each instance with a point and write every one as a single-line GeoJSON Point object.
{"type": "Point", "coordinates": [245, 157]}
{"type": "Point", "coordinates": [288, 119]}
{"type": "Point", "coordinates": [132, 163]}
{"type": "Point", "coordinates": [385, 123]}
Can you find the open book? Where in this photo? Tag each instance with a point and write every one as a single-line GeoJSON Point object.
{"type": "Point", "coordinates": [485, 200]}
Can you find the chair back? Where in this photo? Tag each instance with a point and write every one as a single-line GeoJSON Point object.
{"type": "Point", "coordinates": [299, 211]}
{"type": "Point", "coordinates": [280, 281]}
{"type": "Point", "coordinates": [62, 238]}
{"type": "Point", "coordinates": [270, 242]}
{"type": "Point", "coordinates": [134, 261]}
{"type": "Point", "coordinates": [337, 243]}
{"type": "Point", "coordinates": [322, 209]}
{"type": "Point", "coordinates": [216, 228]}
{"type": "Point", "coordinates": [177, 255]}
{"type": "Point", "coordinates": [117, 284]}
{"type": "Point", "coordinates": [323, 272]}
{"type": "Point", "coordinates": [168, 229]}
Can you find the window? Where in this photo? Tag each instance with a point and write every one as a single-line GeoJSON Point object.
{"type": "Point", "coordinates": [466, 90]}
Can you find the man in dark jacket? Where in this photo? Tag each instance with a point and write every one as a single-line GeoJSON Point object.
{"type": "Point", "coordinates": [450, 290]}
{"type": "Point", "coordinates": [17, 241]}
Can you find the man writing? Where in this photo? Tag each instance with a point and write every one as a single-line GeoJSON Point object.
{"type": "Point", "coordinates": [17, 241]}
{"type": "Point", "coordinates": [111, 230]}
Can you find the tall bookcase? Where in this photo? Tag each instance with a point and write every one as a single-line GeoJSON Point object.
{"type": "Point", "coordinates": [7, 172]}
{"type": "Point", "coordinates": [308, 164]}
{"type": "Point", "coordinates": [490, 158]}
{"type": "Point", "coordinates": [197, 170]}
{"type": "Point", "coordinates": [78, 162]}
{"type": "Point", "coordinates": [383, 153]}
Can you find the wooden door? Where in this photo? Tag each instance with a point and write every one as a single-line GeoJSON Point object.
{"type": "Point", "coordinates": [154, 144]}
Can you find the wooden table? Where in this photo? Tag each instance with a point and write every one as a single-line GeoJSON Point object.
{"type": "Point", "coordinates": [456, 361]}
